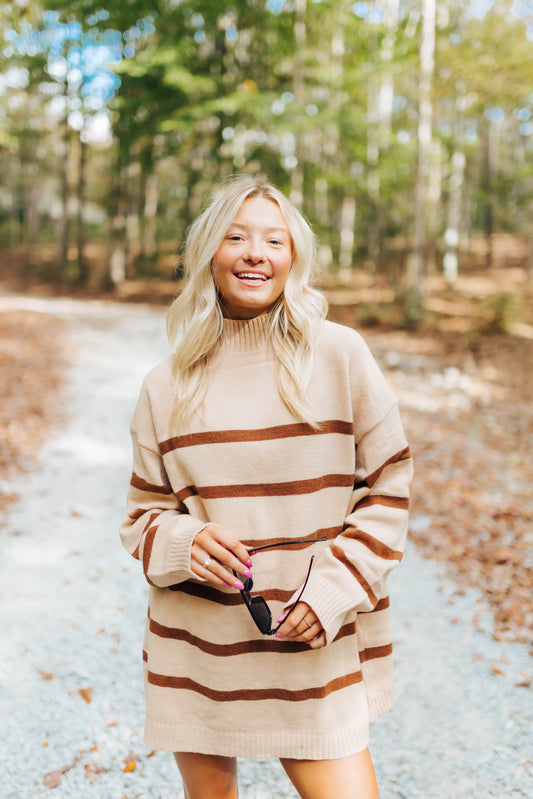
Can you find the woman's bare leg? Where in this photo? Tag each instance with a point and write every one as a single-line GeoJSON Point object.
{"type": "Point", "coordinates": [346, 778]}
{"type": "Point", "coordinates": [208, 776]}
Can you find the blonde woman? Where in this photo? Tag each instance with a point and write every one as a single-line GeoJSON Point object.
{"type": "Point", "coordinates": [268, 503]}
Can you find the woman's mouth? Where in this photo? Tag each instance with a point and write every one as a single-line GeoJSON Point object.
{"type": "Point", "coordinates": [257, 277]}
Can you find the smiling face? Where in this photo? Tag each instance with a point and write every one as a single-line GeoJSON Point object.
{"type": "Point", "coordinates": [253, 262]}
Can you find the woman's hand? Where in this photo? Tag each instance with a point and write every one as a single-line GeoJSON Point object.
{"type": "Point", "coordinates": [215, 553]}
{"type": "Point", "coordinates": [303, 625]}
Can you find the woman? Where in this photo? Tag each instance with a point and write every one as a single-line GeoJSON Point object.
{"type": "Point", "coordinates": [270, 476]}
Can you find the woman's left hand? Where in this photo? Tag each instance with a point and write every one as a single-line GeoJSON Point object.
{"type": "Point", "coordinates": [303, 625]}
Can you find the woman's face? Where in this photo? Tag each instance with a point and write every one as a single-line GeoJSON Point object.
{"type": "Point", "coordinates": [253, 262]}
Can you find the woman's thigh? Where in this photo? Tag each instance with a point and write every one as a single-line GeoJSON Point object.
{"type": "Point", "coordinates": [350, 777]}
{"type": "Point", "coordinates": [208, 776]}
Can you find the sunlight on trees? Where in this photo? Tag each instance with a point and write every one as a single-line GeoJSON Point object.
{"type": "Point", "coordinates": [403, 128]}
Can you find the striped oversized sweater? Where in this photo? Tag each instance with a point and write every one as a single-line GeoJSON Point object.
{"type": "Point", "coordinates": [213, 682]}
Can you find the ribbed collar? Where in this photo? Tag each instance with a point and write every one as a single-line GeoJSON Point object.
{"type": "Point", "coordinates": [246, 335]}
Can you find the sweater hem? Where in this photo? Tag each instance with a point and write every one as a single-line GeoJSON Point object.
{"type": "Point", "coordinates": [175, 738]}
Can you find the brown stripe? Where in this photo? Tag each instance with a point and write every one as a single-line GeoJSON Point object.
{"type": "Point", "coordinates": [263, 434]}
{"type": "Point", "coordinates": [201, 591]}
{"type": "Point", "coordinates": [293, 487]}
{"type": "Point", "coordinates": [137, 514]}
{"type": "Point", "coordinates": [328, 532]}
{"type": "Point", "coordinates": [185, 493]}
{"type": "Point", "coordinates": [382, 605]}
{"type": "Point", "coordinates": [376, 547]}
{"type": "Point", "coordinates": [255, 694]}
{"type": "Point", "coordinates": [374, 652]}
{"type": "Point", "coordinates": [147, 549]}
{"type": "Point", "coordinates": [153, 516]}
{"type": "Point", "coordinates": [145, 656]}
{"type": "Point", "coordinates": [341, 556]}
{"type": "Point", "coordinates": [401, 503]}
{"type": "Point", "coordinates": [263, 645]}
{"type": "Point", "coordinates": [403, 455]}
{"type": "Point", "coordinates": [345, 630]}
{"type": "Point", "coordinates": [143, 485]}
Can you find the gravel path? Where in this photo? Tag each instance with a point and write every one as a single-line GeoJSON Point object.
{"type": "Point", "coordinates": [73, 605]}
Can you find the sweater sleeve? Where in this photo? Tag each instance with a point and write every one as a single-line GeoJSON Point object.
{"type": "Point", "coordinates": [158, 529]}
{"type": "Point", "coordinates": [351, 572]}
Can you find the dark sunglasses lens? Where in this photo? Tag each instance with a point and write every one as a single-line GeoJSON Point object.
{"type": "Point", "coordinates": [261, 614]}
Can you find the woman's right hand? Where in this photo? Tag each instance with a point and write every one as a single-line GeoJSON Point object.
{"type": "Point", "coordinates": [215, 553]}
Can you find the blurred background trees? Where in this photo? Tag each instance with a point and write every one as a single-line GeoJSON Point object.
{"type": "Point", "coordinates": [403, 129]}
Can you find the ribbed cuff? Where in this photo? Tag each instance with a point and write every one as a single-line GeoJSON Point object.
{"type": "Point", "coordinates": [178, 555]}
{"type": "Point", "coordinates": [329, 604]}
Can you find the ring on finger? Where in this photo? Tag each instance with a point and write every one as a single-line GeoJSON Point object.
{"type": "Point", "coordinates": [207, 562]}
{"type": "Point", "coordinates": [308, 625]}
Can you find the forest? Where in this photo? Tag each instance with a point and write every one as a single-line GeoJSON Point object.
{"type": "Point", "coordinates": [402, 128]}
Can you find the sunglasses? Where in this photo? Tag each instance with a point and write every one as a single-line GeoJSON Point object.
{"type": "Point", "coordinates": [257, 606]}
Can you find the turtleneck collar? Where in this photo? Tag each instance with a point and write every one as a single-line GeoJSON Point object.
{"type": "Point", "coordinates": [246, 335]}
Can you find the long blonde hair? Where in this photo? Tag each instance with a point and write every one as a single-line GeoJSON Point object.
{"type": "Point", "coordinates": [195, 318]}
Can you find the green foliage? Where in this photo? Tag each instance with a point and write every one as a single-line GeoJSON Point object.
{"type": "Point", "coordinates": [499, 312]}
{"type": "Point", "coordinates": [206, 88]}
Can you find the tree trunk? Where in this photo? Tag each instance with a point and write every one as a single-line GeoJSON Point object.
{"type": "Point", "coordinates": [116, 268]}
{"type": "Point", "coordinates": [31, 215]}
{"type": "Point", "coordinates": [300, 35]}
{"type": "Point", "coordinates": [347, 239]}
{"type": "Point", "coordinates": [150, 215]}
{"type": "Point", "coordinates": [455, 195]}
{"type": "Point", "coordinates": [83, 269]}
{"type": "Point", "coordinates": [415, 262]}
{"type": "Point", "coordinates": [490, 167]}
{"type": "Point", "coordinates": [529, 259]}
{"type": "Point", "coordinates": [380, 108]}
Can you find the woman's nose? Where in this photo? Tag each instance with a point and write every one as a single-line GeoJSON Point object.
{"type": "Point", "coordinates": [254, 251]}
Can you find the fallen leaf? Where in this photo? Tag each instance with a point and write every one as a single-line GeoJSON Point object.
{"type": "Point", "coordinates": [525, 683]}
{"type": "Point", "coordinates": [53, 778]}
{"type": "Point", "coordinates": [92, 771]}
{"type": "Point", "coordinates": [87, 694]}
{"type": "Point", "coordinates": [130, 761]}
{"type": "Point", "coordinates": [46, 675]}
{"type": "Point", "coordinates": [496, 670]}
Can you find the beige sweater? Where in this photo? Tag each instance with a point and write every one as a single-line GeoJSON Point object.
{"type": "Point", "coordinates": [213, 683]}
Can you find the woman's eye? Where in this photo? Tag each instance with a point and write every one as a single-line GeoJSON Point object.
{"type": "Point", "coordinates": [234, 237]}
{"type": "Point", "coordinates": [275, 241]}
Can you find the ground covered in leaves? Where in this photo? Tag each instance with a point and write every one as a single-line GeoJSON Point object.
{"type": "Point", "coordinates": [32, 367]}
{"type": "Point", "coordinates": [467, 410]}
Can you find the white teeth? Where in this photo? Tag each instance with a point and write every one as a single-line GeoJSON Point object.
{"type": "Point", "coordinates": [251, 276]}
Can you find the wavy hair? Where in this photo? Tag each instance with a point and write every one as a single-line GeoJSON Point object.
{"type": "Point", "coordinates": [195, 318]}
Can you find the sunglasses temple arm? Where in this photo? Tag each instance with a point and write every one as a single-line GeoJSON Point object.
{"type": "Point", "coordinates": [299, 595]}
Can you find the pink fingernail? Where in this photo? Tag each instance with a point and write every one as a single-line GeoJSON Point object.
{"type": "Point", "coordinates": [278, 621]}
{"type": "Point", "coordinates": [239, 585]}
{"type": "Point", "coordinates": [279, 635]}
{"type": "Point", "coordinates": [249, 563]}
{"type": "Point", "coordinates": [247, 573]}
{"type": "Point", "coordinates": [229, 586]}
